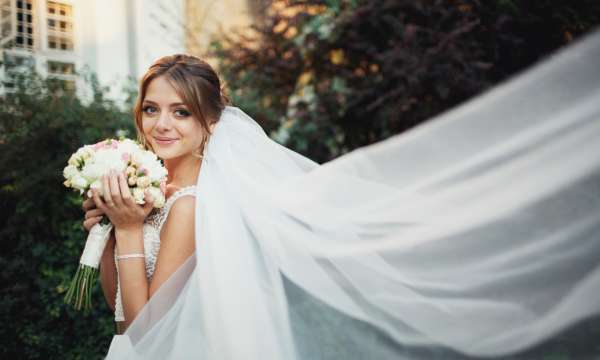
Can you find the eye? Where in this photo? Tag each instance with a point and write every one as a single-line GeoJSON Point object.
{"type": "Point", "coordinates": [149, 109]}
{"type": "Point", "coordinates": [182, 113]}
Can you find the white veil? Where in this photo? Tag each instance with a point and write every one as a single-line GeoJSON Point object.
{"type": "Point", "coordinates": [477, 232]}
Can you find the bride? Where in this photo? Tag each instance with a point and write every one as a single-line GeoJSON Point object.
{"type": "Point", "coordinates": [475, 233]}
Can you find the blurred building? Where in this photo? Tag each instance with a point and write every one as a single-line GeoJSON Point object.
{"type": "Point", "coordinates": [115, 39]}
{"type": "Point", "coordinates": [207, 20]}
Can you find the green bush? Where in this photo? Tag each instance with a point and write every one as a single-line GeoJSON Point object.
{"type": "Point", "coordinates": [41, 221]}
{"type": "Point", "coordinates": [326, 77]}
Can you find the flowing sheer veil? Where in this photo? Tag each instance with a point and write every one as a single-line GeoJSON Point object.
{"type": "Point", "coordinates": [477, 231]}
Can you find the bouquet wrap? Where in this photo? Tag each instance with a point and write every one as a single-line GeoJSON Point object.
{"type": "Point", "coordinates": [95, 244]}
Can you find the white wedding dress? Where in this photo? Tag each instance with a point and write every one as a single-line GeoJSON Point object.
{"type": "Point", "coordinates": [476, 232]}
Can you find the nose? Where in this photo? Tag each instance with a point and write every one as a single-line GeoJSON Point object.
{"type": "Point", "coordinates": [164, 121]}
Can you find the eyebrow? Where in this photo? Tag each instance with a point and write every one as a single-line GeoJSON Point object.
{"type": "Point", "coordinates": [171, 105]}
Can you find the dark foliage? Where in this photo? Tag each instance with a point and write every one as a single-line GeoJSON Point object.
{"type": "Point", "coordinates": [327, 77]}
{"type": "Point", "coordinates": [41, 236]}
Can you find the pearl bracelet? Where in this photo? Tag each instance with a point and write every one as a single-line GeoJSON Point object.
{"type": "Point", "coordinates": [129, 256]}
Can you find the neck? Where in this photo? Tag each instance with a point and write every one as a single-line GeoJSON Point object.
{"type": "Point", "coordinates": [183, 171]}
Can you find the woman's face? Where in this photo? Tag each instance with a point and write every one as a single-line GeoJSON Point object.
{"type": "Point", "coordinates": [167, 123]}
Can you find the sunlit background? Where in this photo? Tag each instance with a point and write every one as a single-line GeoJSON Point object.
{"type": "Point", "coordinates": [321, 77]}
{"type": "Point", "coordinates": [115, 39]}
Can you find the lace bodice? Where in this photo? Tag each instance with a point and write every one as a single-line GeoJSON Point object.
{"type": "Point", "coordinates": [151, 233]}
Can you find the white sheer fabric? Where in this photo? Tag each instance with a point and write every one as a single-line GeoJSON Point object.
{"type": "Point", "coordinates": [477, 231]}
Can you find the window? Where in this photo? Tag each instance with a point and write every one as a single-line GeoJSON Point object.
{"type": "Point", "coordinates": [61, 68]}
{"type": "Point", "coordinates": [59, 9]}
{"type": "Point", "coordinates": [61, 86]}
{"type": "Point", "coordinates": [62, 76]}
{"type": "Point", "coordinates": [59, 43]}
{"type": "Point", "coordinates": [24, 5]}
{"type": "Point", "coordinates": [24, 36]}
{"type": "Point", "coordinates": [60, 26]}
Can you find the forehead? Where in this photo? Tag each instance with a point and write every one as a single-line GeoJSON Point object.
{"type": "Point", "coordinates": [161, 91]}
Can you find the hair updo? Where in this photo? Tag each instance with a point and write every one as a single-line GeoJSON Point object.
{"type": "Point", "coordinates": [196, 83]}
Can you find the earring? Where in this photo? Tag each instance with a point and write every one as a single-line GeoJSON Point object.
{"type": "Point", "coordinates": [198, 153]}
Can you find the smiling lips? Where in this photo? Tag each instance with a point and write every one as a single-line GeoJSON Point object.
{"type": "Point", "coordinates": [164, 140]}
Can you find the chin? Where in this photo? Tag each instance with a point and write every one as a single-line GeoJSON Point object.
{"type": "Point", "coordinates": [167, 154]}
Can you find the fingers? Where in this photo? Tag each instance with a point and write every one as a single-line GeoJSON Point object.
{"type": "Point", "coordinates": [89, 223]}
{"type": "Point", "coordinates": [98, 201]}
{"type": "Point", "coordinates": [148, 202]}
{"type": "Point", "coordinates": [124, 189]}
{"type": "Point", "coordinates": [88, 204]}
{"type": "Point", "coordinates": [93, 213]}
{"type": "Point", "coordinates": [106, 194]}
{"type": "Point", "coordinates": [115, 190]}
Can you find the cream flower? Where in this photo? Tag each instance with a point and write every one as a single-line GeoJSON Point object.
{"type": "Point", "coordinates": [143, 181]}
{"type": "Point", "coordinates": [158, 196]}
{"type": "Point", "coordinates": [70, 172]}
{"type": "Point", "coordinates": [130, 170]}
{"type": "Point", "coordinates": [132, 180]}
{"type": "Point", "coordinates": [79, 182]}
{"type": "Point", "coordinates": [138, 195]}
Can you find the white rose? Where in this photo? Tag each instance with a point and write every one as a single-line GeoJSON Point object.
{"type": "Point", "coordinates": [101, 163]}
{"type": "Point", "coordinates": [144, 157]}
{"type": "Point", "coordinates": [156, 171]}
{"type": "Point", "coordinates": [128, 146]}
{"type": "Point", "coordinates": [138, 195]}
{"type": "Point", "coordinates": [70, 171]}
{"type": "Point", "coordinates": [143, 181]}
{"type": "Point", "coordinates": [88, 152]}
{"type": "Point", "coordinates": [158, 196]}
{"type": "Point", "coordinates": [73, 160]}
{"type": "Point", "coordinates": [79, 182]}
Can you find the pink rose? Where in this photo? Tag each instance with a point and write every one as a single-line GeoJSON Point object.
{"type": "Point", "coordinates": [163, 187]}
{"type": "Point", "coordinates": [99, 145]}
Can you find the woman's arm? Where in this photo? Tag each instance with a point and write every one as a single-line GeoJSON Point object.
{"type": "Point", "coordinates": [132, 272]}
{"type": "Point", "coordinates": [177, 241]}
{"type": "Point", "coordinates": [108, 273]}
{"type": "Point", "coordinates": [176, 246]}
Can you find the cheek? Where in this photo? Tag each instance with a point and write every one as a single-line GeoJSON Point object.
{"type": "Point", "coordinates": [192, 134]}
{"type": "Point", "coordinates": [147, 125]}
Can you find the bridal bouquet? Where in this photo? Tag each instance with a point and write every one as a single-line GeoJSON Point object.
{"type": "Point", "coordinates": [84, 171]}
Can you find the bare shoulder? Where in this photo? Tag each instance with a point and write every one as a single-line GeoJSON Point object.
{"type": "Point", "coordinates": [182, 204]}
{"type": "Point", "coordinates": [182, 210]}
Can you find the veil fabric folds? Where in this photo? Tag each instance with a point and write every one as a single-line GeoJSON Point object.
{"type": "Point", "coordinates": [476, 232]}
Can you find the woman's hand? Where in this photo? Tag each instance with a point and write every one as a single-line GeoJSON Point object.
{"type": "Point", "coordinates": [93, 215]}
{"type": "Point", "coordinates": [118, 204]}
